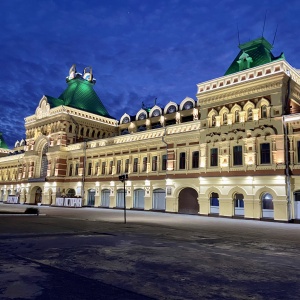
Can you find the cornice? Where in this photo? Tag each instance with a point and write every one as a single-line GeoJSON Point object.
{"type": "Point", "coordinates": [240, 92]}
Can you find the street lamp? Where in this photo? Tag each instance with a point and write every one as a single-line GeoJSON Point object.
{"type": "Point", "coordinates": [123, 179]}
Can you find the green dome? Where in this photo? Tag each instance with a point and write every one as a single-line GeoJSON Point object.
{"type": "Point", "coordinates": [80, 94]}
{"type": "Point", "coordinates": [3, 145]}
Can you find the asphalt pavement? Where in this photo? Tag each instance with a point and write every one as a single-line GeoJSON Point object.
{"type": "Point", "coordinates": [90, 253]}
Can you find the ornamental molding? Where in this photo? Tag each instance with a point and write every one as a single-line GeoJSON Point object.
{"type": "Point", "coordinates": [241, 93]}
{"type": "Point", "coordinates": [43, 110]}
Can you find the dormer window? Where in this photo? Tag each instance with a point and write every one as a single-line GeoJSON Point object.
{"type": "Point", "coordinates": [244, 61]}
{"type": "Point", "coordinates": [188, 105]}
{"type": "Point", "coordinates": [171, 109]}
{"type": "Point", "coordinates": [156, 113]}
{"type": "Point", "coordinates": [142, 116]}
{"type": "Point", "coordinates": [125, 120]}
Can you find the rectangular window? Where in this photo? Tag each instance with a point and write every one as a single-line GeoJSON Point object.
{"type": "Point", "coordinates": [76, 169]}
{"type": "Point", "coordinates": [96, 168]}
{"type": "Point", "coordinates": [154, 163]}
{"type": "Point", "coordinates": [144, 164]}
{"type": "Point", "coordinates": [237, 155]}
{"type": "Point", "coordinates": [195, 160]}
{"type": "Point", "coordinates": [70, 170]}
{"type": "Point", "coordinates": [164, 162]}
{"type": "Point", "coordinates": [182, 161]}
{"type": "Point", "coordinates": [103, 168]}
{"type": "Point", "coordinates": [110, 167]}
{"type": "Point", "coordinates": [89, 170]}
{"type": "Point", "coordinates": [135, 164]}
{"type": "Point", "coordinates": [118, 166]}
{"type": "Point", "coordinates": [298, 151]}
{"type": "Point", "coordinates": [265, 157]}
{"type": "Point", "coordinates": [126, 165]}
{"type": "Point", "coordinates": [214, 157]}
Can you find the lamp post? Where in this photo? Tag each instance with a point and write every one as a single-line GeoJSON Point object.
{"type": "Point", "coordinates": [123, 179]}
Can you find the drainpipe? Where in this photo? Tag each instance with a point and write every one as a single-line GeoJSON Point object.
{"type": "Point", "coordinates": [163, 140]}
{"type": "Point", "coordinates": [286, 150]}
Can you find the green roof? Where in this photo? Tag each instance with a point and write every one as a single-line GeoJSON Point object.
{"type": "Point", "coordinates": [253, 54]}
{"type": "Point", "coordinates": [3, 145]}
{"type": "Point", "coordinates": [80, 94]}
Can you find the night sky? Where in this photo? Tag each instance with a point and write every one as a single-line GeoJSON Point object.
{"type": "Point", "coordinates": [139, 49]}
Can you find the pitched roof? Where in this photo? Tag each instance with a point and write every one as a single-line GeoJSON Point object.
{"type": "Point", "coordinates": [3, 145]}
{"type": "Point", "coordinates": [80, 94]}
{"type": "Point", "coordinates": [254, 53]}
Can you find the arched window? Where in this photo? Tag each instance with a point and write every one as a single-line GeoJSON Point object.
{"type": "Point", "coordinates": [225, 119]}
{"type": "Point", "coordinates": [71, 193]}
{"type": "Point", "coordinates": [188, 105]}
{"type": "Point", "coordinates": [171, 109]}
{"type": "Point", "coordinates": [71, 170]}
{"type": "Point", "coordinates": [70, 128]}
{"type": "Point", "coordinates": [81, 131]}
{"type": "Point", "coordinates": [237, 116]}
{"type": "Point", "coordinates": [125, 120]}
{"type": "Point", "coordinates": [249, 114]}
{"type": "Point", "coordinates": [88, 132]}
{"type": "Point", "coordinates": [263, 111]}
{"type": "Point", "coordinates": [267, 201]}
{"type": "Point", "coordinates": [156, 113]}
{"type": "Point", "coordinates": [142, 116]}
{"type": "Point", "coordinates": [214, 203]}
{"type": "Point", "coordinates": [213, 120]}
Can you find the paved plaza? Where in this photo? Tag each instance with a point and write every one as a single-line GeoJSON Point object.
{"type": "Point", "coordinates": [90, 253]}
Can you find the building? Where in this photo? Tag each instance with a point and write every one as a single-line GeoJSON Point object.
{"type": "Point", "coordinates": [233, 152]}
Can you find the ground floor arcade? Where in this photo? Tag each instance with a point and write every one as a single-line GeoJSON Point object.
{"type": "Point", "coordinates": [243, 197]}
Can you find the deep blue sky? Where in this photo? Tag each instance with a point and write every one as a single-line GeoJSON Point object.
{"type": "Point", "coordinates": [139, 49]}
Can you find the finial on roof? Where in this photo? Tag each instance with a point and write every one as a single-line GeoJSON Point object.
{"type": "Point", "coordinates": [88, 75]}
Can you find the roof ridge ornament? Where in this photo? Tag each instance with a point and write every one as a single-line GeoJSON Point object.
{"type": "Point", "coordinates": [87, 74]}
{"type": "Point", "coordinates": [73, 73]}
